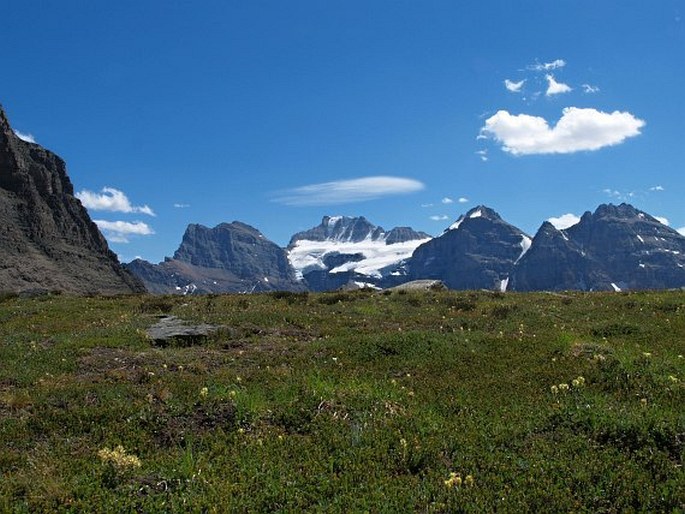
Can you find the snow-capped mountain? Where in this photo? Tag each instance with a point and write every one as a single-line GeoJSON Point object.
{"type": "Point", "coordinates": [346, 250]}
{"type": "Point", "coordinates": [478, 251]}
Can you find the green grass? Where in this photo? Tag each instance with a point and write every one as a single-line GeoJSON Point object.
{"type": "Point", "coordinates": [346, 402]}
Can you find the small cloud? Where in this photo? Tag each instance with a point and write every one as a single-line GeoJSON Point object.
{"type": "Point", "coordinates": [440, 218]}
{"type": "Point", "coordinates": [25, 137]}
{"type": "Point", "coordinates": [619, 195]}
{"type": "Point", "coordinates": [681, 231]}
{"type": "Point", "coordinates": [514, 87]}
{"type": "Point", "coordinates": [564, 221]}
{"type": "Point", "coordinates": [483, 154]}
{"type": "Point", "coordinates": [181, 205]}
{"type": "Point", "coordinates": [589, 89]}
{"type": "Point", "coordinates": [662, 220]}
{"type": "Point", "coordinates": [656, 188]}
{"type": "Point", "coordinates": [547, 66]}
{"type": "Point", "coordinates": [348, 191]}
{"type": "Point", "coordinates": [578, 129]}
{"type": "Point", "coordinates": [556, 88]}
{"type": "Point", "coordinates": [447, 201]}
{"type": "Point", "coordinates": [118, 231]}
{"type": "Point", "coordinates": [425, 205]}
{"type": "Point", "coordinates": [463, 200]}
{"type": "Point", "coordinates": [111, 199]}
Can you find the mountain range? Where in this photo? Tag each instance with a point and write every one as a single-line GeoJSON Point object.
{"type": "Point", "coordinates": [49, 242]}
{"type": "Point", "coordinates": [613, 249]}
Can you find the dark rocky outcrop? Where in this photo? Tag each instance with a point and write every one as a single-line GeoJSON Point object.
{"type": "Point", "coordinates": [231, 257]}
{"type": "Point", "coordinates": [477, 252]}
{"type": "Point", "coordinates": [614, 248]}
{"type": "Point", "coordinates": [404, 234]}
{"type": "Point", "coordinates": [47, 239]}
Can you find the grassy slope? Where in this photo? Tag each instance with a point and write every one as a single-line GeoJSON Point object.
{"type": "Point", "coordinates": [345, 403]}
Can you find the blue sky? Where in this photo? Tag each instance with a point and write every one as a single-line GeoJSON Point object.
{"type": "Point", "coordinates": [409, 113]}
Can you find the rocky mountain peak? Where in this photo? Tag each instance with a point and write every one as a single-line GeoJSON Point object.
{"type": "Point", "coordinates": [623, 211]}
{"type": "Point", "coordinates": [481, 211]}
{"type": "Point", "coordinates": [478, 251]}
{"type": "Point", "coordinates": [615, 248]}
{"type": "Point", "coordinates": [341, 229]}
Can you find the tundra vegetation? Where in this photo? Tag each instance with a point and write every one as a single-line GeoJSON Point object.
{"type": "Point", "coordinates": [431, 401]}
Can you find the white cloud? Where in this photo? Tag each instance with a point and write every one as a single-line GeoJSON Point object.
{"type": "Point", "coordinates": [613, 192]}
{"type": "Point", "coordinates": [589, 89]}
{"type": "Point", "coordinates": [181, 205]}
{"type": "Point", "coordinates": [440, 218]}
{"type": "Point", "coordinates": [482, 153]}
{"type": "Point", "coordinates": [110, 199]}
{"type": "Point", "coordinates": [662, 220]}
{"type": "Point", "coordinates": [424, 205]}
{"type": "Point", "coordinates": [579, 129]}
{"type": "Point", "coordinates": [556, 88]}
{"type": "Point", "coordinates": [118, 231]}
{"type": "Point", "coordinates": [463, 200]}
{"type": "Point", "coordinates": [348, 191]}
{"type": "Point", "coordinates": [681, 231]}
{"type": "Point", "coordinates": [656, 188]}
{"type": "Point", "coordinates": [547, 66]}
{"type": "Point", "coordinates": [447, 201]}
{"type": "Point", "coordinates": [620, 195]}
{"type": "Point", "coordinates": [514, 87]}
{"type": "Point", "coordinates": [25, 137]}
{"type": "Point", "coordinates": [564, 221]}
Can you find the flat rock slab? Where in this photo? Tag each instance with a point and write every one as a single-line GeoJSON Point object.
{"type": "Point", "coordinates": [421, 285]}
{"type": "Point", "coordinates": [172, 331]}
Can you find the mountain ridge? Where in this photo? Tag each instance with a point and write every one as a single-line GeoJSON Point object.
{"type": "Point", "coordinates": [614, 248]}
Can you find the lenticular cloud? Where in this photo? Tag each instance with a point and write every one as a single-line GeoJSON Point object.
{"type": "Point", "coordinates": [577, 130]}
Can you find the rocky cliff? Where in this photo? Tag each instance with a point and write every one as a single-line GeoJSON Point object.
{"type": "Point", "coordinates": [47, 239]}
{"type": "Point", "coordinates": [231, 257]}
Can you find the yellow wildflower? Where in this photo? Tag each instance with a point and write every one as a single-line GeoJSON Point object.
{"type": "Point", "coordinates": [563, 387]}
{"type": "Point", "coordinates": [204, 392]}
{"type": "Point", "coordinates": [673, 379]}
{"type": "Point", "coordinates": [454, 480]}
{"type": "Point", "coordinates": [119, 458]}
{"type": "Point", "coordinates": [554, 389]}
{"type": "Point", "coordinates": [468, 481]}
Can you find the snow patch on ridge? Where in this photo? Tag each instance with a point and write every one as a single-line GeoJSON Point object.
{"type": "Point", "coordinates": [525, 243]}
{"type": "Point", "coordinates": [455, 225]}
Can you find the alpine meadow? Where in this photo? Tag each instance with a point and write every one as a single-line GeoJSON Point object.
{"type": "Point", "coordinates": [364, 401]}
